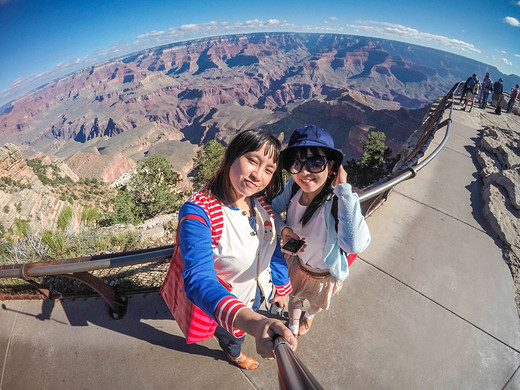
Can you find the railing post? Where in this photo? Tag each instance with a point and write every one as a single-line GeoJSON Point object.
{"type": "Point", "coordinates": [117, 303]}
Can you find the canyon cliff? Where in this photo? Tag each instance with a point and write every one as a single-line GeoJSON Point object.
{"type": "Point", "coordinates": [168, 101]}
{"type": "Point", "coordinates": [171, 99]}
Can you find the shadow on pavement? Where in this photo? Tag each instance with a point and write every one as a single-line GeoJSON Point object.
{"type": "Point", "coordinates": [134, 324]}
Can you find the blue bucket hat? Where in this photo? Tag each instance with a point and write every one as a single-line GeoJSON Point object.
{"type": "Point", "coordinates": [312, 135]}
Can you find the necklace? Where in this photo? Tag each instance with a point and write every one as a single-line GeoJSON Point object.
{"type": "Point", "coordinates": [244, 205]}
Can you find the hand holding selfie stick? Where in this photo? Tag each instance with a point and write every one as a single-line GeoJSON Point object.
{"type": "Point", "coordinates": [292, 373]}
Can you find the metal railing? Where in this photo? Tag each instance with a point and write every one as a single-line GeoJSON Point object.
{"type": "Point", "coordinates": [78, 269]}
{"type": "Point", "coordinates": [372, 197]}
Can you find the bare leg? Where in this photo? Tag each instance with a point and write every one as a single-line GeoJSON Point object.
{"type": "Point", "coordinates": [295, 312]}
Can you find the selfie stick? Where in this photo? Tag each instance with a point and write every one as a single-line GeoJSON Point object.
{"type": "Point", "coordinates": [292, 373]}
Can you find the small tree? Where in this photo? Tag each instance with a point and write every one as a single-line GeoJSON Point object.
{"type": "Point", "coordinates": [125, 209]}
{"type": "Point", "coordinates": [372, 165]}
{"type": "Point", "coordinates": [206, 162]}
{"type": "Point", "coordinates": [151, 191]}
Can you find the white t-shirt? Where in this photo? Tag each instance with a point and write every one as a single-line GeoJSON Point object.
{"type": "Point", "coordinates": [314, 232]}
{"type": "Point", "coordinates": [243, 255]}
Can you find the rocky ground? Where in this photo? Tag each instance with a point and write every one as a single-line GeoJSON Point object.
{"type": "Point", "coordinates": [498, 154]}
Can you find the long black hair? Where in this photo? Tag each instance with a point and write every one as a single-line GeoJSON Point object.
{"type": "Point", "coordinates": [326, 192]}
{"type": "Point", "coordinates": [247, 141]}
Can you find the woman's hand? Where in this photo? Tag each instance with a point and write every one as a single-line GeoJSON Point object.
{"type": "Point", "coordinates": [287, 234]}
{"type": "Point", "coordinates": [264, 330]}
{"type": "Point", "coordinates": [279, 300]}
{"type": "Point", "coordinates": [341, 177]}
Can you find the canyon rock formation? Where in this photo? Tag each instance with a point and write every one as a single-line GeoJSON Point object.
{"type": "Point", "coordinates": [24, 197]}
{"type": "Point", "coordinates": [182, 95]}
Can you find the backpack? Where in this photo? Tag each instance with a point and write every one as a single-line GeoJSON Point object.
{"type": "Point", "coordinates": [476, 88]}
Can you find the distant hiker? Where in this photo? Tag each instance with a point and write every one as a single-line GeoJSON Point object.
{"type": "Point", "coordinates": [514, 95]}
{"type": "Point", "coordinates": [498, 88]}
{"type": "Point", "coordinates": [322, 210]}
{"type": "Point", "coordinates": [231, 253]}
{"type": "Point", "coordinates": [486, 88]}
{"type": "Point", "coordinates": [465, 89]}
{"type": "Point", "coordinates": [496, 99]}
{"type": "Point", "coordinates": [472, 87]}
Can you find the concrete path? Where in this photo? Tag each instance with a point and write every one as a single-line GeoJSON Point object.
{"type": "Point", "coordinates": [429, 305]}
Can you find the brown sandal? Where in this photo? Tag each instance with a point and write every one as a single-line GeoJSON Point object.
{"type": "Point", "coordinates": [244, 362]}
{"type": "Point", "coordinates": [305, 325]}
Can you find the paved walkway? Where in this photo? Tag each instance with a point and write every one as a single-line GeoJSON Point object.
{"type": "Point", "coordinates": [428, 306]}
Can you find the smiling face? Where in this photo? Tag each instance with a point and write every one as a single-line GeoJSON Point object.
{"type": "Point", "coordinates": [311, 183]}
{"type": "Point", "coordinates": [251, 173]}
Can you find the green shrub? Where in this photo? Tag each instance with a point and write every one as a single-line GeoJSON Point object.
{"type": "Point", "coordinates": [90, 215]}
{"type": "Point", "coordinates": [57, 243]}
{"type": "Point", "coordinates": [21, 227]}
{"type": "Point", "coordinates": [125, 209]}
{"type": "Point", "coordinates": [64, 218]}
{"type": "Point", "coordinates": [124, 241]}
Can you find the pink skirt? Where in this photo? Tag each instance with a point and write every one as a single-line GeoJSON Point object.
{"type": "Point", "coordinates": [311, 284]}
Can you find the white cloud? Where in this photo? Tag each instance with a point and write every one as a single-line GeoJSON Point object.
{"type": "Point", "coordinates": [517, 55]}
{"type": "Point", "coordinates": [333, 18]}
{"type": "Point", "coordinates": [153, 33]}
{"type": "Point", "coordinates": [189, 27]}
{"type": "Point", "coordinates": [506, 61]}
{"type": "Point", "coordinates": [398, 31]}
{"type": "Point", "coordinates": [512, 21]}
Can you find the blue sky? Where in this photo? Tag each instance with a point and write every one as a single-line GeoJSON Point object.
{"type": "Point", "coordinates": [44, 39]}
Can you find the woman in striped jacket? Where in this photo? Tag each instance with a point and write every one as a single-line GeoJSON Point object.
{"type": "Point", "coordinates": [227, 237]}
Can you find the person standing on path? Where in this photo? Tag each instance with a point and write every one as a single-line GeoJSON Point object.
{"type": "Point", "coordinates": [514, 96]}
{"type": "Point", "coordinates": [472, 87]}
{"type": "Point", "coordinates": [487, 88]}
{"type": "Point", "coordinates": [496, 99]}
{"type": "Point", "coordinates": [464, 90]}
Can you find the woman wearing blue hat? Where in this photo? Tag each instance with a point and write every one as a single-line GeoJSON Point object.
{"type": "Point", "coordinates": [323, 212]}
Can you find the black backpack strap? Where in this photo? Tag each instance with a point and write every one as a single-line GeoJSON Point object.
{"type": "Point", "coordinates": [335, 211]}
{"type": "Point", "coordinates": [294, 189]}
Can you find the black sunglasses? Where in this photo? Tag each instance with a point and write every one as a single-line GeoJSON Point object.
{"type": "Point", "coordinates": [315, 164]}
